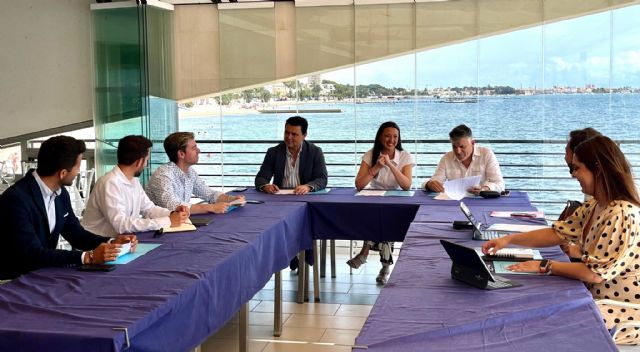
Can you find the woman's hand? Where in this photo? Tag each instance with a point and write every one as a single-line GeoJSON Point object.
{"type": "Point", "coordinates": [492, 246]}
{"type": "Point", "coordinates": [383, 160]}
{"type": "Point", "coordinates": [531, 266]}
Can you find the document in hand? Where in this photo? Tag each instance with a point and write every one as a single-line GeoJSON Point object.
{"type": "Point", "coordinates": [239, 202]}
{"type": "Point", "coordinates": [457, 189]}
{"type": "Point", "coordinates": [126, 248]}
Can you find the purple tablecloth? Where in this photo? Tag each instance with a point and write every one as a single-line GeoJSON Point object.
{"type": "Point", "coordinates": [422, 308]}
{"type": "Point", "coordinates": [170, 299]}
{"type": "Point", "coordinates": [340, 214]}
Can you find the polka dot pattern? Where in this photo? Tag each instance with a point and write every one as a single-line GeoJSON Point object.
{"type": "Point", "coordinates": [612, 250]}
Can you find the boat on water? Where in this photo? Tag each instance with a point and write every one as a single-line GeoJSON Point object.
{"type": "Point", "coordinates": [299, 111]}
{"type": "Point", "coordinates": [458, 100]}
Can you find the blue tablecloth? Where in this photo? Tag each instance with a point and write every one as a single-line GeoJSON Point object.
{"type": "Point", "coordinates": [422, 308]}
{"type": "Point", "coordinates": [170, 299]}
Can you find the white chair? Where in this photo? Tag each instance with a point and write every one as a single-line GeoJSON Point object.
{"type": "Point", "coordinates": [28, 165]}
{"type": "Point", "coordinates": [5, 176]}
{"type": "Point", "coordinates": [629, 324]}
{"type": "Point", "coordinates": [80, 189]}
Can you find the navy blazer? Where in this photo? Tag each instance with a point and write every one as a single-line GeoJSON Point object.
{"type": "Point", "coordinates": [26, 240]}
{"type": "Point", "coordinates": [312, 168]}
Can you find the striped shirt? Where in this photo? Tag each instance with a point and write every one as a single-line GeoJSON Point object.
{"type": "Point", "coordinates": [292, 170]}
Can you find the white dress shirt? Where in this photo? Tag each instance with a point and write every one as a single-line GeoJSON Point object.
{"type": "Point", "coordinates": [385, 178]}
{"type": "Point", "coordinates": [49, 197]}
{"type": "Point", "coordinates": [118, 205]}
{"type": "Point", "coordinates": [483, 163]}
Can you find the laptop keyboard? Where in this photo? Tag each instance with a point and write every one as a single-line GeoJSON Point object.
{"type": "Point", "coordinates": [498, 284]}
{"type": "Point", "coordinates": [491, 235]}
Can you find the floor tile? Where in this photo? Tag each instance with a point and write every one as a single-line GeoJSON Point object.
{"type": "Point", "coordinates": [306, 308]}
{"type": "Point", "coordinates": [309, 347]}
{"type": "Point", "coordinates": [230, 345]}
{"type": "Point", "coordinates": [324, 321]}
{"type": "Point", "coordinates": [350, 310]}
{"type": "Point", "coordinates": [342, 337]}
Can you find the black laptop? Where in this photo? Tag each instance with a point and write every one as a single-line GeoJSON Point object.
{"type": "Point", "coordinates": [201, 220]}
{"type": "Point", "coordinates": [479, 233]}
{"type": "Point", "coordinates": [469, 268]}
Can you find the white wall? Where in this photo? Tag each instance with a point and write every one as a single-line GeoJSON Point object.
{"type": "Point", "coordinates": [45, 65]}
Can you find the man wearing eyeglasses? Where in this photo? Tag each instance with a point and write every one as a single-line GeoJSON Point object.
{"type": "Point", "coordinates": [118, 203]}
{"type": "Point", "coordinates": [465, 160]}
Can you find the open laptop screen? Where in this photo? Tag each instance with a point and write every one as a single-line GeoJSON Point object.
{"type": "Point", "coordinates": [469, 215]}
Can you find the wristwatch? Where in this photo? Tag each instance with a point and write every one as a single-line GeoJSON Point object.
{"type": "Point", "coordinates": [545, 267]}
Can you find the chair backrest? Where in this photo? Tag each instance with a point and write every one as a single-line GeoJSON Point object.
{"type": "Point", "coordinates": [28, 165]}
{"type": "Point", "coordinates": [5, 176]}
{"type": "Point", "coordinates": [569, 209]}
{"type": "Point", "coordinates": [80, 189]}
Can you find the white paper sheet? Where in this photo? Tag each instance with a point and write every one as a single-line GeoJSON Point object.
{"type": "Point", "coordinates": [371, 192]}
{"type": "Point", "coordinates": [457, 189]}
{"type": "Point", "coordinates": [286, 191]}
{"type": "Point", "coordinates": [126, 248]}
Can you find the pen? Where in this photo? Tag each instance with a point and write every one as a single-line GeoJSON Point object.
{"type": "Point", "coordinates": [523, 215]}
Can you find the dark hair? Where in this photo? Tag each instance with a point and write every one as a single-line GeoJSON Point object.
{"type": "Point", "coordinates": [298, 121]}
{"type": "Point", "coordinates": [377, 145]}
{"type": "Point", "coordinates": [611, 170]}
{"type": "Point", "coordinates": [175, 142]}
{"type": "Point", "coordinates": [578, 136]}
{"type": "Point", "coordinates": [58, 153]}
{"type": "Point", "coordinates": [133, 148]}
{"type": "Point", "coordinates": [460, 131]}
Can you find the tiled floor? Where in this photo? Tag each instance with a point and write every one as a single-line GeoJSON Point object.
{"type": "Point", "coordinates": [328, 326]}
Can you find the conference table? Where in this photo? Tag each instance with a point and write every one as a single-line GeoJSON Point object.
{"type": "Point", "coordinates": [177, 295]}
{"type": "Point", "coordinates": [422, 308]}
{"type": "Point", "coordinates": [170, 299]}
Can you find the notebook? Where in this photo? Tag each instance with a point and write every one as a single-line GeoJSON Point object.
{"type": "Point", "coordinates": [479, 233]}
{"type": "Point", "coordinates": [512, 254]}
{"type": "Point", "coordinates": [467, 266]}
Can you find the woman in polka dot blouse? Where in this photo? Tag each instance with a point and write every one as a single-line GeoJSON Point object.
{"type": "Point", "coordinates": [607, 230]}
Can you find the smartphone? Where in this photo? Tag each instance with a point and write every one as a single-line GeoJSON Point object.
{"type": "Point", "coordinates": [96, 267]}
{"type": "Point", "coordinates": [239, 189]}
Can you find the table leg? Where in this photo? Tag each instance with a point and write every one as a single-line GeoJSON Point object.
{"type": "Point", "coordinates": [323, 257]}
{"type": "Point", "coordinates": [277, 305]}
{"type": "Point", "coordinates": [243, 342]}
{"type": "Point", "coordinates": [306, 282]}
{"type": "Point", "coordinates": [316, 274]}
{"type": "Point", "coordinates": [333, 259]}
{"type": "Point", "coordinates": [301, 278]}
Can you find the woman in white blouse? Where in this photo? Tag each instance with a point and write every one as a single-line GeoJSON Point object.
{"type": "Point", "coordinates": [385, 166]}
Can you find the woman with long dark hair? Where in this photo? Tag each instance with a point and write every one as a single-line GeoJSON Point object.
{"type": "Point", "coordinates": [607, 229]}
{"type": "Point", "coordinates": [385, 166]}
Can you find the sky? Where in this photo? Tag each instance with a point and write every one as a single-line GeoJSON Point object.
{"type": "Point", "coordinates": [601, 49]}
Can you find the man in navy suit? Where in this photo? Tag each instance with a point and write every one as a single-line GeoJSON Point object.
{"type": "Point", "coordinates": [293, 164]}
{"type": "Point", "coordinates": [36, 210]}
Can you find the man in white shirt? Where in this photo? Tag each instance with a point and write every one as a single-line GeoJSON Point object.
{"type": "Point", "coordinates": [465, 160]}
{"type": "Point", "coordinates": [118, 203]}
